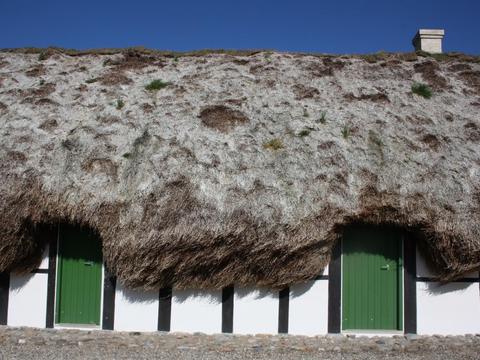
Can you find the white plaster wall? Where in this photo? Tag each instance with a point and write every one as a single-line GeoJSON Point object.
{"type": "Point", "coordinates": [27, 303]}
{"type": "Point", "coordinates": [450, 309]}
{"type": "Point", "coordinates": [196, 311]}
{"type": "Point", "coordinates": [308, 308]}
{"type": "Point", "coordinates": [255, 311]}
{"type": "Point", "coordinates": [27, 299]}
{"type": "Point", "coordinates": [135, 310]}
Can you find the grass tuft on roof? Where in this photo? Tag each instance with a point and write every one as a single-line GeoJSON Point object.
{"type": "Point", "coordinates": [422, 90]}
{"type": "Point", "coordinates": [156, 85]}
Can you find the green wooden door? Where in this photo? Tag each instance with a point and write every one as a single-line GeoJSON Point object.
{"type": "Point", "coordinates": [372, 279]}
{"type": "Point", "coordinates": [79, 277]}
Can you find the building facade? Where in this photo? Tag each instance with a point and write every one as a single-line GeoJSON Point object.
{"type": "Point", "coordinates": [241, 192]}
{"type": "Point", "coordinates": [378, 282]}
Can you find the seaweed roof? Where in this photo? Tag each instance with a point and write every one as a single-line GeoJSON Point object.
{"type": "Point", "coordinates": [237, 167]}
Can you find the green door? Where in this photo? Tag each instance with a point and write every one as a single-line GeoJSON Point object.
{"type": "Point", "coordinates": [372, 279]}
{"type": "Point", "coordinates": [79, 277]}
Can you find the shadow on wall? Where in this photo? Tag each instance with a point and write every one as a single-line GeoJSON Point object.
{"type": "Point", "coordinates": [301, 289]}
{"type": "Point", "coordinates": [435, 288]}
{"type": "Point", "coordinates": [215, 296]}
{"type": "Point", "coordinates": [140, 296]}
{"type": "Point", "coordinates": [79, 243]}
{"type": "Point", "coordinates": [18, 282]}
{"type": "Point", "coordinates": [210, 297]}
{"type": "Point", "coordinates": [257, 293]}
{"type": "Point", "coordinates": [371, 240]}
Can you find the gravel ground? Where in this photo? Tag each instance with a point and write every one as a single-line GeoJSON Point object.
{"type": "Point", "coordinates": [39, 344]}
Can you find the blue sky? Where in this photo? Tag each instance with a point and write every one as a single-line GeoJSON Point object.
{"type": "Point", "coordinates": [334, 26]}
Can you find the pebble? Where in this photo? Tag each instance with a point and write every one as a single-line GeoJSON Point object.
{"type": "Point", "coordinates": [45, 344]}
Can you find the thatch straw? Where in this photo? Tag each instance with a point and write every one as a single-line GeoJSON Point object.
{"type": "Point", "coordinates": [246, 168]}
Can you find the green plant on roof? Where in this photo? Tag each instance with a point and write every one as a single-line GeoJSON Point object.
{"type": "Point", "coordinates": [120, 104]}
{"type": "Point", "coordinates": [323, 117]}
{"type": "Point", "coordinates": [422, 90]}
{"type": "Point", "coordinates": [304, 132]}
{"type": "Point", "coordinates": [156, 85]}
{"type": "Point", "coordinates": [346, 132]}
{"type": "Point", "coordinates": [376, 144]}
{"type": "Point", "coordinates": [374, 140]}
{"type": "Point", "coordinates": [373, 58]}
{"type": "Point", "coordinates": [438, 57]}
{"type": "Point", "coordinates": [91, 81]}
{"type": "Point", "coordinates": [274, 144]}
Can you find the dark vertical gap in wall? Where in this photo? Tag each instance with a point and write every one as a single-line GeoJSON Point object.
{"type": "Point", "coordinates": [410, 285]}
{"type": "Point", "coordinates": [52, 241]}
{"type": "Point", "coordinates": [227, 309]}
{"type": "Point", "coordinates": [4, 291]}
{"type": "Point", "coordinates": [283, 304]}
{"type": "Point", "coordinates": [334, 289]}
{"type": "Point", "coordinates": [164, 309]}
{"type": "Point", "coordinates": [109, 286]}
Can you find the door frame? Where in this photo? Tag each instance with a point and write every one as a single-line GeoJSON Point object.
{"type": "Point", "coordinates": [401, 286]}
{"type": "Point", "coordinates": [102, 281]}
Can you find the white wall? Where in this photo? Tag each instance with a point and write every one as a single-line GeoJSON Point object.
{"type": "Point", "coordinates": [27, 302]}
{"type": "Point", "coordinates": [196, 311]}
{"type": "Point", "coordinates": [448, 309]}
{"type": "Point", "coordinates": [308, 308]}
{"type": "Point", "coordinates": [255, 311]}
{"type": "Point", "coordinates": [135, 310]}
{"type": "Point", "coordinates": [27, 299]}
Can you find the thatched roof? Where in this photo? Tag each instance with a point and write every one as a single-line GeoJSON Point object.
{"type": "Point", "coordinates": [242, 168]}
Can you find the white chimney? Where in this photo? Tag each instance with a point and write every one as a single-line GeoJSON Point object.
{"type": "Point", "coordinates": [429, 40]}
